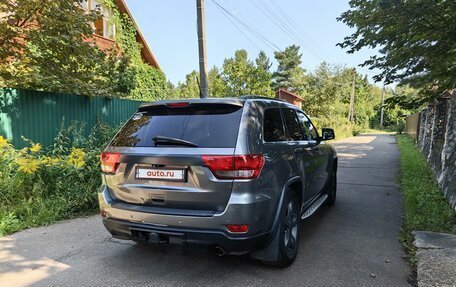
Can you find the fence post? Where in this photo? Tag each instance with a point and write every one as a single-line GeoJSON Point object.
{"type": "Point", "coordinates": [447, 178]}
{"type": "Point", "coordinates": [437, 136]}
{"type": "Point", "coordinates": [428, 126]}
{"type": "Point", "coordinates": [422, 127]}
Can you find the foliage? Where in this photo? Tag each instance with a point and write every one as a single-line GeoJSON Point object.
{"type": "Point", "coordinates": [57, 56]}
{"type": "Point", "coordinates": [39, 186]}
{"type": "Point", "coordinates": [406, 97]}
{"type": "Point", "coordinates": [289, 74]}
{"type": "Point", "coordinates": [244, 77]}
{"type": "Point", "coordinates": [415, 38]}
{"type": "Point", "coordinates": [48, 45]}
{"type": "Point", "coordinates": [325, 91]}
{"type": "Point", "coordinates": [139, 80]}
{"type": "Point", "coordinates": [218, 87]}
{"type": "Point", "coordinates": [238, 76]}
{"type": "Point", "coordinates": [189, 88]}
{"type": "Point", "coordinates": [425, 206]}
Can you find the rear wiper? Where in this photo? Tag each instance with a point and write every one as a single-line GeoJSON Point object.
{"type": "Point", "coordinates": [167, 140]}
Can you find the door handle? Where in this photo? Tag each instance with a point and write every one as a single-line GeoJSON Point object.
{"type": "Point", "coordinates": [315, 147]}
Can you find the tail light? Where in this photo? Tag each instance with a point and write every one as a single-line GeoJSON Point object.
{"type": "Point", "coordinates": [178, 104]}
{"type": "Point", "coordinates": [109, 162]}
{"type": "Point", "coordinates": [234, 167]}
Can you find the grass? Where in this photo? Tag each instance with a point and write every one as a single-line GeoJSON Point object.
{"type": "Point", "coordinates": [425, 207]}
{"type": "Point", "coordinates": [379, 131]}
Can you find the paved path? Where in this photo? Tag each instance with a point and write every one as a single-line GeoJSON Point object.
{"type": "Point", "coordinates": [353, 243]}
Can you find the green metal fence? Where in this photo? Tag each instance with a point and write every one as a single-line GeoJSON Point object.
{"type": "Point", "coordinates": [38, 115]}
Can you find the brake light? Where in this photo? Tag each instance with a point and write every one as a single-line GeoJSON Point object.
{"type": "Point", "coordinates": [109, 162]}
{"type": "Point", "coordinates": [178, 104]}
{"type": "Point", "coordinates": [234, 167]}
{"type": "Point", "coordinates": [237, 228]}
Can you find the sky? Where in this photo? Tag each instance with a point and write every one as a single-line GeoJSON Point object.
{"type": "Point", "coordinates": [169, 27]}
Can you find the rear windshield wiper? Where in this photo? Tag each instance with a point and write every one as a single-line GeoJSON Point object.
{"type": "Point", "coordinates": [166, 140]}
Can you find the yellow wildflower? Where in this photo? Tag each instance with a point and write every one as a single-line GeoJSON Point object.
{"type": "Point", "coordinates": [3, 142]}
{"type": "Point", "coordinates": [48, 161]}
{"type": "Point", "coordinates": [27, 165]}
{"type": "Point", "coordinates": [76, 157]}
{"type": "Point", "coordinates": [35, 147]}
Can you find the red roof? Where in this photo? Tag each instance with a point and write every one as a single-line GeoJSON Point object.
{"type": "Point", "coordinates": [283, 91]}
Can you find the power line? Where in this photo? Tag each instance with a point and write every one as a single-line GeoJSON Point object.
{"type": "Point", "coordinates": [306, 37]}
{"type": "Point", "coordinates": [258, 35]}
{"type": "Point", "coordinates": [241, 16]}
{"type": "Point", "coordinates": [292, 31]}
{"type": "Point", "coordinates": [277, 20]}
{"type": "Point", "coordinates": [239, 29]}
{"type": "Point", "coordinates": [271, 19]}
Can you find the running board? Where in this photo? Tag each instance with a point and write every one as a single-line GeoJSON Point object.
{"type": "Point", "coordinates": [314, 206]}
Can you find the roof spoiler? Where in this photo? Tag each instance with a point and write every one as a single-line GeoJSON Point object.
{"type": "Point", "coordinates": [192, 102]}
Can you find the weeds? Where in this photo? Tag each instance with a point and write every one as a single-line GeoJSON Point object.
{"type": "Point", "coordinates": [425, 207]}
{"type": "Point", "coordinates": [39, 186]}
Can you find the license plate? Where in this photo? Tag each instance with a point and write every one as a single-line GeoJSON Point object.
{"type": "Point", "coordinates": [161, 174]}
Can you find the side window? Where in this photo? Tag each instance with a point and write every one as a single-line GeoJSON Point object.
{"type": "Point", "coordinates": [273, 126]}
{"type": "Point", "coordinates": [304, 122]}
{"type": "Point", "coordinates": [312, 129]}
{"type": "Point", "coordinates": [295, 132]}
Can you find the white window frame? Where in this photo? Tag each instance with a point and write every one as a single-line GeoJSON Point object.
{"type": "Point", "coordinates": [107, 24]}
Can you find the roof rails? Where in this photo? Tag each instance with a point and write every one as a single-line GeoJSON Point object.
{"type": "Point", "coordinates": [260, 98]}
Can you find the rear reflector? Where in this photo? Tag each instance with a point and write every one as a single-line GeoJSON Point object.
{"type": "Point", "coordinates": [178, 104]}
{"type": "Point", "coordinates": [237, 228]}
{"type": "Point", "coordinates": [109, 162]}
{"type": "Point", "coordinates": [234, 167]}
{"type": "Point", "coordinates": [104, 214]}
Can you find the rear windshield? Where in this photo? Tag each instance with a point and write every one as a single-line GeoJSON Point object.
{"type": "Point", "coordinates": [204, 125]}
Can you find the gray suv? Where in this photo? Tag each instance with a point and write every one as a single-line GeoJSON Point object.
{"type": "Point", "coordinates": [235, 174]}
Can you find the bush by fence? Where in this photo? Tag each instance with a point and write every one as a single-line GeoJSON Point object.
{"type": "Point", "coordinates": [38, 116]}
{"type": "Point", "coordinates": [436, 130]}
{"type": "Point", "coordinates": [39, 185]}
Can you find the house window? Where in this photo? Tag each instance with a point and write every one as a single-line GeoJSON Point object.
{"type": "Point", "coordinates": [102, 26]}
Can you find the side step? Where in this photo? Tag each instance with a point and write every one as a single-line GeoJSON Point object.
{"type": "Point", "coordinates": [317, 203]}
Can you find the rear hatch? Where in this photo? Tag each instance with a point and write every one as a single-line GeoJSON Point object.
{"type": "Point", "coordinates": [157, 158]}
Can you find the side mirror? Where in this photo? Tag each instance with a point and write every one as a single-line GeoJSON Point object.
{"type": "Point", "coordinates": [327, 134]}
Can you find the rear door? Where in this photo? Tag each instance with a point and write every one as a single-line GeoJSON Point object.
{"type": "Point", "coordinates": [171, 174]}
{"type": "Point", "coordinates": [302, 151]}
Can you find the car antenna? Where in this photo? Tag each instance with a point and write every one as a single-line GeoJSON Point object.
{"type": "Point", "coordinates": [199, 87]}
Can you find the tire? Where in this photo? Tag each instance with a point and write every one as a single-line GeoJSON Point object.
{"type": "Point", "coordinates": [331, 189]}
{"type": "Point", "coordinates": [289, 229]}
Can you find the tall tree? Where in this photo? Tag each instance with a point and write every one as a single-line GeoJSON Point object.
{"type": "Point", "coordinates": [289, 74]}
{"type": "Point", "coordinates": [415, 39]}
{"type": "Point", "coordinates": [244, 77]}
{"type": "Point", "coordinates": [262, 61]}
{"type": "Point", "coordinates": [217, 87]}
{"type": "Point", "coordinates": [48, 45]}
{"type": "Point", "coordinates": [45, 46]}
{"type": "Point", "coordinates": [190, 88]}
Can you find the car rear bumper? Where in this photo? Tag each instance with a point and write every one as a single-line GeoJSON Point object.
{"type": "Point", "coordinates": [128, 221]}
{"type": "Point", "coordinates": [197, 238]}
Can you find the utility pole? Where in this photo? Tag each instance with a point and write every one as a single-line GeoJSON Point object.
{"type": "Point", "coordinates": [202, 49]}
{"type": "Point", "coordinates": [351, 111]}
{"type": "Point", "coordinates": [381, 109]}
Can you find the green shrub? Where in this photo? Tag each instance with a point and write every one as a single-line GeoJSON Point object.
{"type": "Point", "coordinates": [342, 126]}
{"type": "Point", "coordinates": [39, 186]}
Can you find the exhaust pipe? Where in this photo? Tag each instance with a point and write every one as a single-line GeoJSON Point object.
{"type": "Point", "coordinates": [219, 251]}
